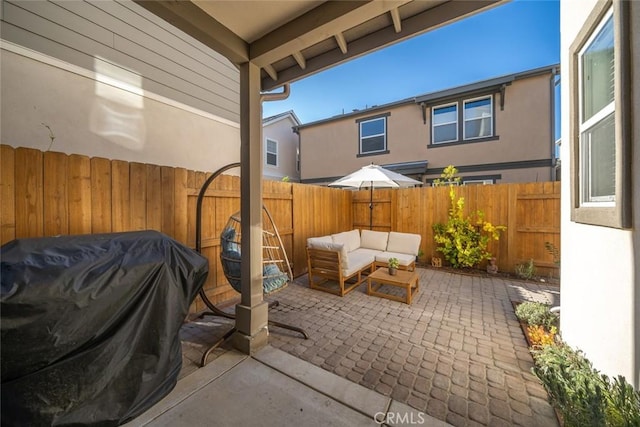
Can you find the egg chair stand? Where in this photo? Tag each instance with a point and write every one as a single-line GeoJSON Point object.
{"type": "Point", "coordinates": [276, 268]}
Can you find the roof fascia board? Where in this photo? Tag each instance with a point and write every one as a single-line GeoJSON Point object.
{"type": "Point", "coordinates": [485, 85]}
{"type": "Point", "coordinates": [436, 17]}
{"type": "Point", "coordinates": [363, 113]}
{"type": "Point", "coordinates": [273, 120]}
{"type": "Point", "coordinates": [194, 21]}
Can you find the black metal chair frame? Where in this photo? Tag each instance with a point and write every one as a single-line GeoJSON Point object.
{"type": "Point", "coordinates": [215, 311]}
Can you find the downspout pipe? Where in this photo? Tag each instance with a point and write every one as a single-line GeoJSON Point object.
{"type": "Point", "coordinates": [278, 96]}
{"type": "Point", "coordinates": [552, 136]}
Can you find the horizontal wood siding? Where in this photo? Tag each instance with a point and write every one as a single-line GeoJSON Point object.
{"type": "Point", "coordinates": [125, 42]}
{"type": "Point", "coordinates": [53, 193]}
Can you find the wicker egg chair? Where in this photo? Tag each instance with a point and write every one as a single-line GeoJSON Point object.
{"type": "Point", "coordinates": [276, 268]}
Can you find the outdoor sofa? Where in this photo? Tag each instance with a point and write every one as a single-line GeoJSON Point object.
{"type": "Point", "coordinates": [348, 257]}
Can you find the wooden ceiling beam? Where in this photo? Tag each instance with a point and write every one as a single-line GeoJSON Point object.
{"type": "Point", "coordinates": [317, 25]}
{"type": "Point", "coordinates": [430, 19]}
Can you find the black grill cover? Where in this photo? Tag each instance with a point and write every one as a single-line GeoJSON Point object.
{"type": "Point", "coordinates": [90, 325]}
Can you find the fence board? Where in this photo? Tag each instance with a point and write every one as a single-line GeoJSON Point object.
{"type": "Point", "coordinates": [7, 195]}
{"type": "Point", "coordinates": [138, 196]}
{"type": "Point", "coordinates": [56, 217]}
{"type": "Point", "coordinates": [29, 193]}
{"type": "Point", "coordinates": [167, 187]}
{"type": "Point", "coordinates": [100, 195]}
{"type": "Point", "coordinates": [120, 196]}
{"type": "Point", "coordinates": [154, 198]}
{"type": "Point", "coordinates": [180, 206]}
{"type": "Point", "coordinates": [79, 193]}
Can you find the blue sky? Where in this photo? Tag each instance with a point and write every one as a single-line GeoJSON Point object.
{"type": "Point", "coordinates": [518, 36]}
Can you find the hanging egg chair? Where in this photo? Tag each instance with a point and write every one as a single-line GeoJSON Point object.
{"type": "Point", "coordinates": [276, 270]}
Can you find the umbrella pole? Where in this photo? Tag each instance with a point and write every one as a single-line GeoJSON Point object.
{"type": "Point", "coordinates": [371, 207]}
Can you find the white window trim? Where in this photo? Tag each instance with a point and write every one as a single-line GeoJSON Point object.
{"type": "Point", "coordinates": [266, 152]}
{"type": "Point", "coordinates": [383, 134]}
{"type": "Point", "coordinates": [465, 120]}
{"type": "Point", "coordinates": [584, 183]}
{"type": "Point", "coordinates": [477, 181]}
{"type": "Point", "coordinates": [433, 125]}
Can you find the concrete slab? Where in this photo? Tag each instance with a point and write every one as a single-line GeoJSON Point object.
{"type": "Point", "coordinates": [253, 394]}
{"type": "Point", "coordinates": [350, 394]}
{"type": "Point", "coordinates": [189, 385]}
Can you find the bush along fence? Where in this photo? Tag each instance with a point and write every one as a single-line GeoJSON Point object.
{"type": "Point", "coordinates": [581, 395]}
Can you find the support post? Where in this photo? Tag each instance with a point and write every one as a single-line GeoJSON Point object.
{"type": "Point", "coordinates": [252, 312]}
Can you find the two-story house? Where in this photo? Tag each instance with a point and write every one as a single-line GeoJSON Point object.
{"type": "Point", "coordinates": [281, 147]}
{"type": "Point", "coordinates": [494, 131]}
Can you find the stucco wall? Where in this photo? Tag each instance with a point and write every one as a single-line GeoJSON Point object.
{"type": "Point", "coordinates": [281, 131]}
{"type": "Point", "coordinates": [99, 119]}
{"type": "Point", "coordinates": [597, 277]}
{"type": "Point", "coordinates": [330, 149]}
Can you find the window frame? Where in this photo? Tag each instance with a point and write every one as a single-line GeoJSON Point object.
{"type": "Point", "coordinates": [433, 125]}
{"type": "Point", "coordinates": [385, 134]}
{"type": "Point", "coordinates": [465, 120]}
{"type": "Point", "coordinates": [267, 152]}
{"type": "Point", "coordinates": [617, 213]}
{"type": "Point", "coordinates": [477, 181]}
{"type": "Point", "coordinates": [461, 120]}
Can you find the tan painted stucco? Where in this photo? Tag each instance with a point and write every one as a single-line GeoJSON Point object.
{"type": "Point", "coordinates": [281, 130]}
{"type": "Point", "coordinates": [96, 119]}
{"type": "Point", "coordinates": [329, 148]}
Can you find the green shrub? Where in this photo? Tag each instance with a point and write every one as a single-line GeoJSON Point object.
{"type": "Point", "coordinates": [581, 394]}
{"type": "Point", "coordinates": [536, 314]}
{"type": "Point", "coordinates": [463, 241]}
{"type": "Point", "coordinates": [526, 270]}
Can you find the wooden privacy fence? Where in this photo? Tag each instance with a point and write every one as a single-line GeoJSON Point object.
{"type": "Point", "coordinates": [47, 194]}
{"type": "Point", "coordinates": [531, 213]}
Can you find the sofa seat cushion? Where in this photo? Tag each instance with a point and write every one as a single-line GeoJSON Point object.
{"type": "Point", "coordinates": [350, 239]}
{"type": "Point", "coordinates": [374, 240]}
{"type": "Point", "coordinates": [403, 259]}
{"type": "Point", "coordinates": [369, 252]}
{"type": "Point", "coordinates": [404, 243]}
{"type": "Point", "coordinates": [357, 261]}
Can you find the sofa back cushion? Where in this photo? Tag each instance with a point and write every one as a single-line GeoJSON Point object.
{"type": "Point", "coordinates": [374, 240]}
{"type": "Point", "coordinates": [350, 239]}
{"type": "Point", "coordinates": [405, 243]}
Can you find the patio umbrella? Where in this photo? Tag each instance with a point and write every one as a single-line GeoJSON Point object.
{"type": "Point", "coordinates": [373, 176]}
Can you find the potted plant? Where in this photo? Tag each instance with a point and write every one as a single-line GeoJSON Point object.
{"type": "Point", "coordinates": [393, 266]}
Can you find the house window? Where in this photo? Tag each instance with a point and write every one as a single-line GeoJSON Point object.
{"type": "Point", "coordinates": [600, 131]}
{"type": "Point", "coordinates": [445, 123]}
{"type": "Point", "coordinates": [373, 135]}
{"type": "Point", "coordinates": [298, 159]}
{"type": "Point", "coordinates": [478, 118]}
{"type": "Point", "coordinates": [473, 121]}
{"type": "Point", "coordinates": [477, 181]}
{"type": "Point", "coordinates": [272, 152]}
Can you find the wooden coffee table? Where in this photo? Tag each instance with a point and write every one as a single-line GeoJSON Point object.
{"type": "Point", "coordinates": [402, 279]}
